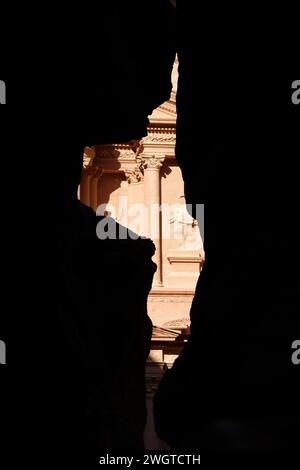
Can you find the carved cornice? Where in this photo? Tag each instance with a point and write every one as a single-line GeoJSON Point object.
{"type": "Point", "coordinates": [162, 130]}
{"type": "Point", "coordinates": [188, 293]}
{"type": "Point", "coordinates": [170, 106]}
{"type": "Point", "coordinates": [111, 152]}
{"type": "Point", "coordinates": [187, 259]}
{"type": "Point", "coordinates": [122, 152]}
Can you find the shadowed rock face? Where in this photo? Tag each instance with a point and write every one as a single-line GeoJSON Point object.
{"type": "Point", "coordinates": [99, 293]}
{"type": "Point", "coordinates": [108, 69]}
{"type": "Point", "coordinates": [100, 327]}
{"type": "Point", "coordinates": [105, 333]}
{"type": "Point", "coordinates": [245, 314]}
{"type": "Point", "coordinates": [235, 376]}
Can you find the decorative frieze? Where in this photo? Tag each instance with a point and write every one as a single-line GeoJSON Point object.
{"type": "Point", "coordinates": [160, 136]}
{"type": "Point", "coordinates": [173, 299]}
{"type": "Point", "coordinates": [181, 323]}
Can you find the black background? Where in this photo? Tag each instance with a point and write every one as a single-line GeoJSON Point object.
{"type": "Point", "coordinates": [44, 111]}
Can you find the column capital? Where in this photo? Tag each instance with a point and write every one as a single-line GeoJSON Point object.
{"type": "Point", "coordinates": [133, 175]}
{"type": "Point", "coordinates": [153, 162]}
{"type": "Point", "coordinates": [88, 157]}
{"type": "Point", "coordinates": [91, 164]}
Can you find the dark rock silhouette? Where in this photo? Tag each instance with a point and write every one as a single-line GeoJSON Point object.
{"type": "Point", "coordinates": [105, 331]}
{"type": "Point", "coordinates": [234, 381]}
{"type": "Point", "coordinates": [97, 301]}
{"type": "Point", "coordinates": [235, 377]}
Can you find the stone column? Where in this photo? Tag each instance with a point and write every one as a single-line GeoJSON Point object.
{"type": "Point", "coordinates": [151, 165]}
{"type": "Point", "coordinates": [85, 187]}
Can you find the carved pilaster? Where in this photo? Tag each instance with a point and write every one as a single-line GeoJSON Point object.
{"type": "Point", "coordinates": [87, 175]}
{"type": "Point", "coordinates": [96, 171]}
{"type": "Point", "coordinates": [151, 165]}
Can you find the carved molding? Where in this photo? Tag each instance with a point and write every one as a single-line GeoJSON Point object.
{"type": "Point", "coordinates": [170, 299]}
{"type": "Point", "coordinates": [162, 130]}
{"type": "Point", "coordinates": [160, 135]}
{"type": "Point", "coordinates": [180, 323]}
{"type": "Point", "coordinates": [186, 259]}
{"type": "Point", "coordinates": [110, 152]}
{"type": "Point", "coordinates": [160, 138]}
{"type": "Point", "coordinates": [170, 106]}
{"type": "Point", "coordinates": [127, 152]}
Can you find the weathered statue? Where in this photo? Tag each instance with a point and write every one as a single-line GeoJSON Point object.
{"type": "Point", "coordinates": [186, 228]}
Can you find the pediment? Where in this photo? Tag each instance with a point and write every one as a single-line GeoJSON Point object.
{"type": "Point", "coordinates": [164, 333]}
{"type": "Point", "coordinates": [165, 113]}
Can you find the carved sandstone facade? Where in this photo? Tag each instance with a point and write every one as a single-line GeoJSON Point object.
{"type": "Point", "coordinates": [139, 184]}
{"type": "Point", "coordinates": [121, 180]}
{"type": "Point", "coordinates": [131, 182]}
